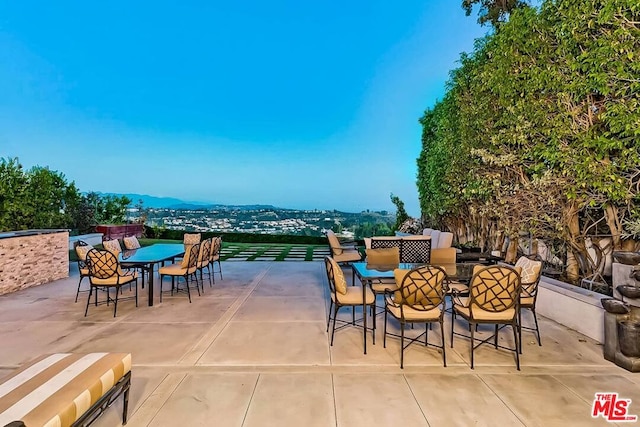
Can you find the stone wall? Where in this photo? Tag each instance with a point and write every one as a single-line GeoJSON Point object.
{"type": "Point", "coordinates": [27, 261]}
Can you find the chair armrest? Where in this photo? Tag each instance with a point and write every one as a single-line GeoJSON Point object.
{"type": "Point", "coordinates": [455, 297]}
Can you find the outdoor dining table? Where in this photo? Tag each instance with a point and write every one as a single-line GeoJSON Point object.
{"type": "Point", "coordinates": [147, 257]}
{"type": "Point", "coordinates": [369, 273]}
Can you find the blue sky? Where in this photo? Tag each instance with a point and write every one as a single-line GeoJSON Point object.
{"type": "Point", "coordinates": [287, 102]}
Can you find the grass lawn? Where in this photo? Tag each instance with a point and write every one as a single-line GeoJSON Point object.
{"type": "Point", "coordinates": [277, 251]}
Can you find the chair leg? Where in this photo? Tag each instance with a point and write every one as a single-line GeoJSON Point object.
{"type": "Point", "coordinates": [495, 337]}
{"type": "Point", "coordinates": [335, 315]}
{"type": "Point", "coordinates": [329, 315]}
{"type": "Point", "coordinates": [353, 315]}
{"type": "Point", "coordinates": [220, 267]}
{"type": "Point", "coordinates": [444, 354]}
{"type": "Point", "coordinates": [401, 345]}
{"type": "Point", "coordinates": [472, 330]}
{"type": "Point", "coordinates": [137, 291]}
{"type": "Point", "coordinates": [426, 334]}
{"type": "Point", "coordinates": [453, 320]}
{"type": "Point", "coordinates": [384, 337]}
{"type": "Point", "coordinates": [86, 310]}
{"type": "Point", "coordinates": [520, 328]}
{"type": "Point", "coordinates": [161, 277]}
{"type": "Point", "coordinates": [115, 305]}
{"type": "Point", "coordinates": [186, 278]}
{"type": "Point", "coordinates": [78, 291]}
{"type": "Point", "coordinates": [535, 319]}
{"type": "Point", "coordinates": [195, 275]}
{"type": "Point", "coordinates": [515, 339]}
{"type": "Point", "coordinates": [374, 320]}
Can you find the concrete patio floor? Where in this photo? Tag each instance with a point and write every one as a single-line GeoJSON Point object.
{"type": "Point", "coordinates": [253, 351]}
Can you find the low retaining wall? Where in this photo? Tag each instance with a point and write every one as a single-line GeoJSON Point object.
{"type": "Point", "coordinates": [32, 257]}
{"type": "Point", "coordinates": [92, 239]}
{"type": "Point", "coordinates": [573, 307]}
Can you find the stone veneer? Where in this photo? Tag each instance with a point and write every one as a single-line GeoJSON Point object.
{"type": "Point", "coordinates": [31, 259]}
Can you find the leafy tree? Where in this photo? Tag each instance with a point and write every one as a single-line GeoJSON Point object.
{"type": "Point", "coordinates": [494, 11]}
{"type": "Point", "coordinates": [401, 213]}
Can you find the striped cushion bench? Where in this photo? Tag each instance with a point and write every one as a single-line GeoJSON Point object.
{"type": "Point", "coordinates": [65, 389]}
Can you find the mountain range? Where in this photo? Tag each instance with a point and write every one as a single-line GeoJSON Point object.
{"type": "Point", "coordinates": [173, 203]}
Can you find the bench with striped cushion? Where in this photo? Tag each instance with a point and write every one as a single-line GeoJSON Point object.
{"type": "Point", "coordinates": [65, 389]}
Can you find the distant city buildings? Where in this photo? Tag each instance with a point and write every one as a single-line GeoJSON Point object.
{"type": "Point", "coordinates": [262, 220]}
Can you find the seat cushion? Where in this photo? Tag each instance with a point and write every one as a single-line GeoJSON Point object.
{"type": "Point", "coordinates": [412, 314]}
{"type": "Point", "coordinates": [484, 315]}
{"type": "Point", "coordinates": [115, 280]}
{"type": "Point", "coordinates": [384, 284]}
{"type": "Point", "coordinates": [173, 270]}
{"type": "Point", "coordinates": [56, 389]}
{"type": "Point", "coordinates": [461, 288]}
{"type": "Point", "coordinates": [526, 301]}
{"type": "Point", "coordinates": [84, 271]}
{"type": "Point", "coordinates": [353, 296]}
{"type": "Point", "coordinates": [347, 255]}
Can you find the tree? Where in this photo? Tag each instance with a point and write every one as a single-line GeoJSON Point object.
{"type": "Point", "coordinates": [494, 11]}
{"type": "Point", "coordinates": [401, 213]}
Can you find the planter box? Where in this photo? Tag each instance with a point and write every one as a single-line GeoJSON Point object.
{"type": "Point", "coordinates": [573, 307]}
{"type": "Point", "coordinates": [110, 232]}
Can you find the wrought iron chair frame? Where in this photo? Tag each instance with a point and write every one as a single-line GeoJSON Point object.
{"type": "Point", "coordinates": [204, 259]}
{"type": "Point", "coordinates": [503, 304]}
{"type": "Point", "coordinates": [335, 305]}
{"type": "Point", "coordinates": [192, 264]}
{"type": "Point", "coordinates": [216, 247]}
{"type": "Point", "coordinates": [106, 266]}
{"type": "Point", "coordinates": [530, 290]}
{"type": "Point", "coordinates": [408, 290]}
{"type": "Point", "coordinates": [82, 264]}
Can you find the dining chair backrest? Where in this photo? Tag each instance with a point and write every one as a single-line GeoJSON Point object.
{"type": "Point", "coordinates": [335, 277]}
{"type": "Point", "coordinates": [205, 251]}
{"type": "Point", "coordinates": [216, 245]}
{"type": "Point", "coordinates": [190, 260]}
{"type": "Point", "coordinates": [422, 288]}
{"type": "Point", "coordinates": [529, 276]}
{"type": "Point", "coordinates": [192, 238]}
{"type": "Point", "coordinates": [494, 288]}
{"type": "Point", "coordinates": [131, 242]}
{"type": "Point", "coordinates": [102, 263]}
{"type": "Point", "coordinates": [112, 246]}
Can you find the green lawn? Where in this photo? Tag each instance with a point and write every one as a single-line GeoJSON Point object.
{"type": "Point", "coordinates": [279, 251]}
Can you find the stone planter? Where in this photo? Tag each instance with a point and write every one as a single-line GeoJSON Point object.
{"type": "Point", "coordinates": [629, 336]}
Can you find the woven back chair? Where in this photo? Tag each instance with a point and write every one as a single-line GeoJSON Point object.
{"type": "Point", "coordinates": [105, 273]}
{"type": "Point", "coordinates": [530, 278]}
{"type": "Point", "coordinates": [494, 296]}
{"type": "Point", "coordinates": [82, 248]}
{"type": "Point", "coordinates": [214, 256]}
{"type": "Point", "coordinates": [419, 298]}
{"type": "Point", "coordinates": [187, 268]}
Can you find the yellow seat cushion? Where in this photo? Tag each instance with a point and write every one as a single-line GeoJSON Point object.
{"type": "Point", "coordinates": [412, 314]}
{"type": "Point", "coordinates": [484, 315]}
{"type": "Point", "coordinates": [115, 280]}
{"type": "Point", "coordinates": [57, 389]}
{"type": "Point", "coordinates": [84, 271]}
{"type": "Point", "coordinates": [353, 296]}
{"type": "Point", "coordinates": [176, 270]}
{"type": "Point", "coordinates": [347, 255]}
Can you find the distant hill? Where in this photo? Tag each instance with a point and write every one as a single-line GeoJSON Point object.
{"type": "Point", "coordinates": [161, 202]}
{"type": "Point", "coordinates": [173, 203]}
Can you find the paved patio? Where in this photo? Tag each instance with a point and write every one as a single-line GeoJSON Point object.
{"type": "Point", "coordinates": [253, 351]}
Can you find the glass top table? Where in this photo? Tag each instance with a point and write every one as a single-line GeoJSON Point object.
{"type": "Point", "coordinates": [461, 272]}
{"type": "Point", "coordinates": [146, 257]}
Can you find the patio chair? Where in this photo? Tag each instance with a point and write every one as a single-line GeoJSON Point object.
{"type": "Point", "coordinates": [192, 238]}
{"type": "Point", "coordinates": [185, 269]}
{"type": "Point", "coordinates": [494, 297]}
{"type": "Point", "coordinates": [204, 257]}
{"type": "Point", "coordinates": [131, 243]}
{"type": "Point", "coordinates": [343, 254]}
{"type": "Point", "coordinates": [384, 259]}
{"type": "Point", "coordinates": [530, 278]}
{"type": "Point", "coordinates": [81, 249]}
{"type": "Point", "coordinates": [343, 295]}
{"type": "Point", "coordinates": [420, 298]}
{"type": "Point", "coordinates": [214, 256]}
{"type": "Point", "coordinates": [104, 274]}
{"type": "Point", "coordinates": [112, 246]}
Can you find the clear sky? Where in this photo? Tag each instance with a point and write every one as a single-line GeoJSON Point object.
{"type": "Point", "coordinates": [293, 103]}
